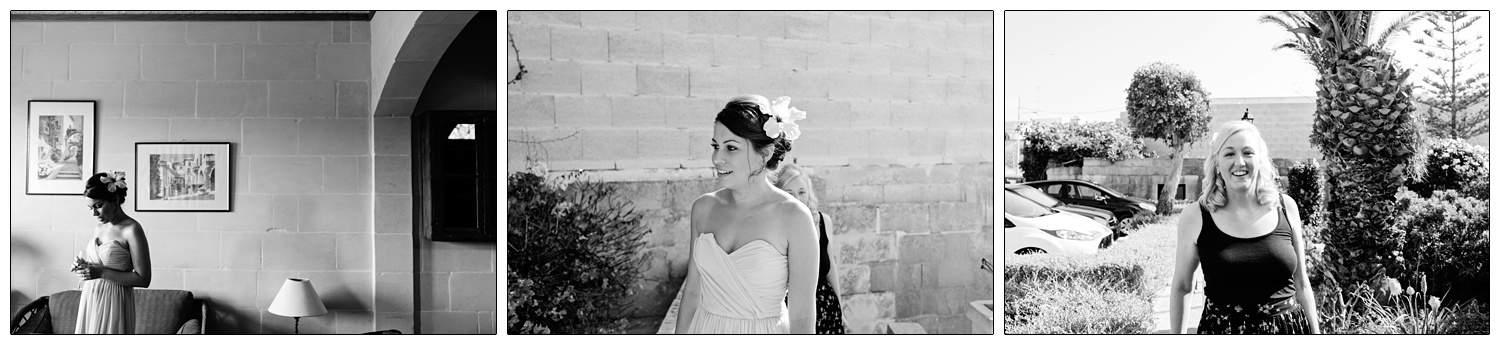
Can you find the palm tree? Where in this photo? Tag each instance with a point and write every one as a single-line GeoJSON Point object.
{"type": "Point", "coordinates": [1364, 129]}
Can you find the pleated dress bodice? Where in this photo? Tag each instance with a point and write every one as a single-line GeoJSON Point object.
{"type": "Point", "coordinates": [740, 292]}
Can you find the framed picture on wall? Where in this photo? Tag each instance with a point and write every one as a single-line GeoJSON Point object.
{"type": "Point", "coordinates": [182, 177]}
{"type": "Point", "coordinates": [59, 146]}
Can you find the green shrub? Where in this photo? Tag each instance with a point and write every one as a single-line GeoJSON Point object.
{"type": "Point", "coordinates": [1108, 292]}
{"type": "Point", "coordinates": [1456, 165]}
{"type": "Point", "coordinates": [1303, 185]}
{"type": "Point", "coordinates": [1448, 239]}
{"type": "Point", "coordinates": [1049, 144]}
{"type": "Point", "coordinates": [572, 255]}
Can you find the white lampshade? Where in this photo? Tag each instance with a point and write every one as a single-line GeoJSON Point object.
{"type": "Point", "coordinates": [297, 299]}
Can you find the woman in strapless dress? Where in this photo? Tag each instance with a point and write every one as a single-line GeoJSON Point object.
{"type": "Point", "coordinates": [753, 245]}
{"type": "Point", "coordinates": [115, 262]}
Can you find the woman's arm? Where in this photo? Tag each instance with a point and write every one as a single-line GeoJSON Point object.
{"type": "Point", "coordinates": [1305, 294]}
{"type": "Point", "coordinates": [802, 262]}
{"type": "Point", "coordinates": [690, 284]}
{"type": "Point", "coordinates": [140, 256]}
{"type": "Point", "coordinates": [1187, 263]}
{"type": "Point", "coordinates": [833, 263]}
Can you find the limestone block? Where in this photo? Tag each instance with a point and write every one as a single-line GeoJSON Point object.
{"type": "Point", "coordinates": [159, 99]}
{"type": "Point", "coordinates": [831, 57]}
{"type": "Point", "coordinates": [921, 248]}
{"type": "Point", "coordinates": [808, 84]}
{"type": "Point", "coordinates": [869, 306]}
{"type": "Point", "coordinates": [608, 19]}
{"type": "Point", "coordinates": [204, 130]}
{"type": "Point", "coordinates": [713, 22]}
{"type": "Point", "coordinates": [687, 50]}
{"type": "Point", "coordinates": [808, 26]}
{"type": "Point", "coordinates": [43, 62]}
{"type": "Point", "coordinates": [280, 62]}
{"type": "Point", "coordinates": [269, 137]}
{"type": "Point", "coordinates": [908, 62]}
{"type": "Point", "coordinates": [712, 82]}
{"type": "Point", "coordinates": [303, 99]}
{"type": "Point", "coordinates": [232, 99]}
{"type": "Point", "coordinates": [635, 46]}
{"type": "Point", "coordinates": [300, 251]}
{"type": "Point", "coordinates": [735, 51]}
{"type": "Point", "coordinates": [530, 110]}
{"type": "Point", "coordinates": [296, 32]}
{"type": "Point", "coordinates": [574, 43]}
{"type": "Point", "coordinates": [851, 219]}
{"type": "Point", "coordinates": [862, 248]}
{"type": "Point", "coordinates": [570, 18]}
{"type": "Point", "coordinates": [343, 61]}
{"type": "Point", "coordinates": [229, 288]}
{"type": "Point", "coordinates": [785, 54]}
{"type": "Point", "coordinates": [761, 24]}
{"type": "Point", "coordinates": [903, 217]}
{"type": "Point", "coordinates": [612, 78]}
{"type": "Point", "coordinates": [854, 279]}
{"type": "Point", "coordinates": [78, 32]}
{"type": "Point", "coordinates": [667, 21]}
{"type": "Point", "coordinates": [660, 80]}
{"type": "Point", "coordinates": [177, 62]}
{"type": "Point", "coordinates": [636, 111]}
{"type": "Point", "coordinates": [955, 216]}
{"type": "Point", "coordinates": [890, 32]}
{"type": "Point", "coordinates": [551, 76]}
{"type": "Point", "coordinates": [934, 31]}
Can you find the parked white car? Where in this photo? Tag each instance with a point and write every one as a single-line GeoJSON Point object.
{"type": "Point", "coordinates": [1031, 227]}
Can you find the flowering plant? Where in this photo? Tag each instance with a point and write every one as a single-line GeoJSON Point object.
{"type": "Point", "coordinates": [786, 119]}
{"type": "Point", "coordinates": [114, 180]}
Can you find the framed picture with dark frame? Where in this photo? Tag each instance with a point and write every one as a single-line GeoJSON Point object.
{"type": "Point", "coordinates": [182, 177]}
{"type": "Point", "coordinates": [59, 146]}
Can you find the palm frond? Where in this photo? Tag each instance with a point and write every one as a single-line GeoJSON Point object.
{"type": "Point", "coordinates": [1401, 25]}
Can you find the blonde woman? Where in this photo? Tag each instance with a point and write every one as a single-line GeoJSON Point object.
{"type": "Point", "coordinates": [794, 181]}
{"type": "Point", "coordinates": [752, 263]}
{"type": "Point", "coordinates": [1248, 237]}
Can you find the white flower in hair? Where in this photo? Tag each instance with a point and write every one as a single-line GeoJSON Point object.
{"type": "Point", "coordinates": [114, 180]}
{"type": "Point", "coordinates": [786, 119]}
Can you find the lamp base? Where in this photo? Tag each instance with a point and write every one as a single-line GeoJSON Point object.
{"type": "Point", "coordinates": [297, 325]}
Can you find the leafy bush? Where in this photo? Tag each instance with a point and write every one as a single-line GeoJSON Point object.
{"type": "Point", "coordinates": [1448, 240]}
{"type": "Point", "coordinates": [1456, 165]}
{"type": "Point", "coordinates": [572, 255]}
{"type": "Point", "coordinates": [1303, 184]}
{"type": "Point", "coordinates": [1108, 292]}
{"type": "Point", "coordinates": [1357, 312]}
{"type": "Point", "coordinates": [1047, 144]}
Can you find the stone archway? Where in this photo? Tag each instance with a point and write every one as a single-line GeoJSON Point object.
{"type": "Point", "coordinates": [405, 47]}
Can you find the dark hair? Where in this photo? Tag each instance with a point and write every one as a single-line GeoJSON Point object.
{"type": "Point", "coordinates": [743, 117]}
{"type": "Point", "coordinates": [96, 189]}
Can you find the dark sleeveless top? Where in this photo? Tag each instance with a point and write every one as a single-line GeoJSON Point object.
{"type": "Point", "coordinates": [1247, 270]}
{"type": "Point", "coordinates": [823, 264]}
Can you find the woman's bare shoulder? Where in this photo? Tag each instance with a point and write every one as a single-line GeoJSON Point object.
{"type": "Point", "coordinates": [1191, 219]}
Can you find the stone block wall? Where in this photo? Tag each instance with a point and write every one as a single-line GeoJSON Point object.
{"type": "Point", "coordinates": [289, 96]}
{"type": "Point", "coordinates": [899, 135]}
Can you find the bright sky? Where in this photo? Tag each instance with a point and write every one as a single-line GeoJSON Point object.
{"type": "Point", "coordinates": [1067, 64]}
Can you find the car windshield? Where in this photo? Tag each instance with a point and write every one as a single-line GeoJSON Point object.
{"type": "Point", "coordinates": [1020, 206]}
{"type": "Point", "coordinates": [1037, 196]}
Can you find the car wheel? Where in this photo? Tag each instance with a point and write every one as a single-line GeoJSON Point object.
{"type": "Point", "coordinates": [1030, 250]}
{"type": "Point", "coordinates": [1126, 225]}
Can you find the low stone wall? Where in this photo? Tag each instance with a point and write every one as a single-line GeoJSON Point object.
{"type": "Point", "coordinates": [908, 240]}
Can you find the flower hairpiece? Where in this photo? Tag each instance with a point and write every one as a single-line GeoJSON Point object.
{"type": "Point", "coordinates": [114, 180]}
{"type": "Point", "coordinates": [786, 119]}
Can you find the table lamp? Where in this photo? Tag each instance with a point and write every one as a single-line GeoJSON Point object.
{"type": "Point", "coordinates": [297, 299]}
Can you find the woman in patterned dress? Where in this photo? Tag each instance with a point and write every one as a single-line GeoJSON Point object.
{"type": "Point", "coordinates": [1248, 237]}
{"type": "Point", "coordinates": [830, 312]}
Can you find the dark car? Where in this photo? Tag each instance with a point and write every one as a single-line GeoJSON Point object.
{"type": "Point", "coordinates": [1079, 192]}
{"type": "Point", "coordinates": [1100, 215]}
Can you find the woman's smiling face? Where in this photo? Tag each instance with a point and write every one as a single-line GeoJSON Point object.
{"type": "Point", "coordinates": [732, 158]}
{"type": "Point", "coordinates": [1237, 160]}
